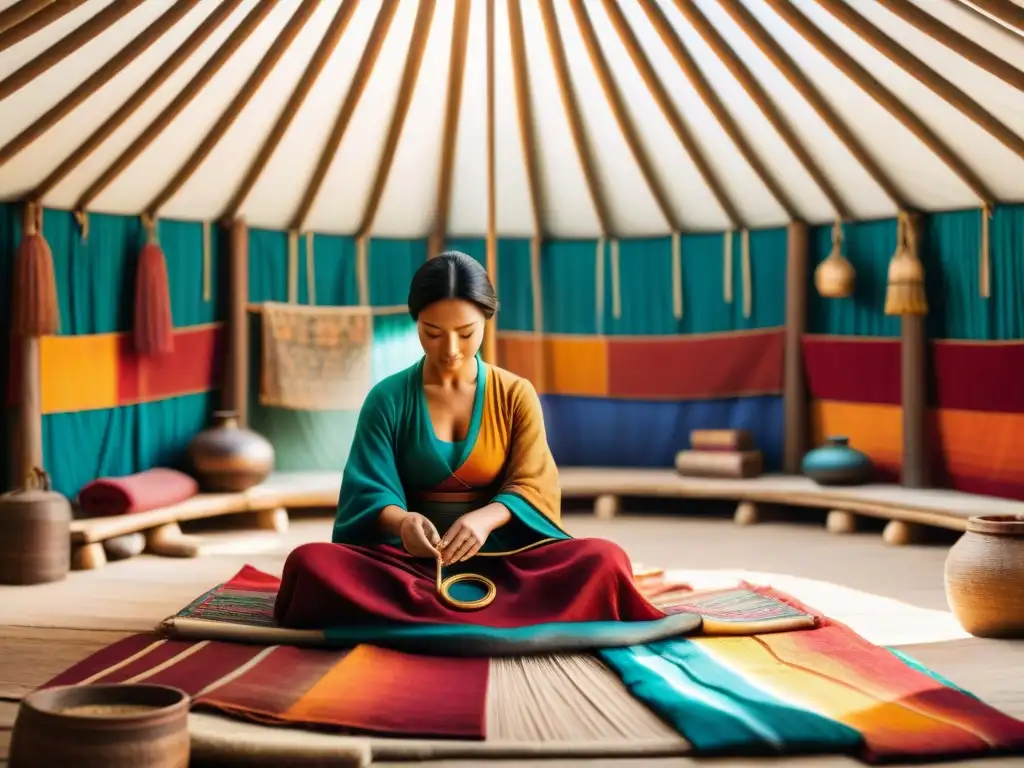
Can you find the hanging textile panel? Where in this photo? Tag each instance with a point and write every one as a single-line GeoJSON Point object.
{"type": "Point", "coordinates": [316, 358]}
{"type": "Point", "coordinates": [975, 415]}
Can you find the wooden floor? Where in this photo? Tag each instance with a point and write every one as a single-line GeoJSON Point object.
{"type": "Point", "coordinates": [891, 595]}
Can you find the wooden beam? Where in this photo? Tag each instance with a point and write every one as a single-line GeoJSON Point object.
{"type": "Point", "coordinates": [67, 45]}
{"type": "Point", "coordinates": [368, 60]}
{"type": "Point", "coordinates": [794, 387]}
{"type": "Point", "coordinates": [742, 74]}
{"type": "Point", "coordinates": [220, 13]}
{"type": "Point", "coordinates": [950, 38]}
{"type": "Point", "coordinates": [524, 113]}
{"type": "Point", "coordinates": [1005, 11]}
{"type": "Point", "coordinates": [776, 54]}
{"type": "Point", "coordinates": [417, 46]}
{"type": "Point", "coordinates": [31, 23]}
{"type": "Point", "coordinates": [845, 63]}
{"type": "Point", "coordinates": [236, 106]}
{"type": "Point", "coordinates": [14, 14]}
{"type": "Point", "coordinates": [322, 54]}
{"type": "Point", "coordinates": [97, 79]}
{"type": "Point", "coordinates": [924, 74]}
{"type": "Point", "coordinates": [916, 467]}
{"type": "Point", "coordinates": [220, 57]}
{"type": "Point", "coordinates": [236, 384]}
{"type": "Point", "coordinates": [29, 435]}
{"type": "Point", "coordinates": [672, 114]}
{"type": "Point", "coordinates": [621, 112]}
{"type": "Point", "coordinates": [453, 103]}
{"type": "Point", "coordinates": [571, 107]}
{"type": "Point", "coordinates": [712, 101]}
{"type": "Point", "coordinates": [491, 330]}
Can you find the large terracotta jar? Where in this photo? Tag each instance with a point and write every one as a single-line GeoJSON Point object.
{"type": "Point", "coordinates": [228, 458]}
{"type": "Point", "coordinates": [985, 576]}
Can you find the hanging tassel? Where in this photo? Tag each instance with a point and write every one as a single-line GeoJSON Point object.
{"type": "Point", "coordinates": [36, 312]}
{"type": "Point", "coordinates": [82, 219]}
{"type": "Point", "coordinates": [154, 326]}
{"type": "Point", "coordinates": [984, 267]}
{"type": "Point", "coordinates": [905, 294]}
{"type": "Point", "coordinates": [745, 272]}
{"type": "Point", "coordinates": [727, 266]}
{"type": "Point", "coordinates": [677, 276]}
{"type": "Point", "coordinates": [207, 266]}
{"type": "Point", "coordinates": [616, 282]}
{"type": "Point", "coordinates": [362, 270]}
{"type": "Point", "coordinates": [310, 271]}
{"type": "Point", "coordinates": [599, 286]}
{"type": "Point", "coordinates": [835, 276]}
{"type": "Point", "coordinates": [293, 267]}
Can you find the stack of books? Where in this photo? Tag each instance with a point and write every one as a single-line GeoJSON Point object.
{"type": "Point", "coordinates": [720, 453]}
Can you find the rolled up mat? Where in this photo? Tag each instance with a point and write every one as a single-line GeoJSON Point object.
{"type": "Point", "coordinates": [737, 464]}
{"type": "Point", "coordinates": [721, 440]}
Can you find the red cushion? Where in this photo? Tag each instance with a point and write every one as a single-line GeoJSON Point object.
{"type": "Point", "coordinates": [152, 489]}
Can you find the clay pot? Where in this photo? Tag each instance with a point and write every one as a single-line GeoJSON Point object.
{"type": "Point", "coordinates": [836, 463]}
{"type": "Point", "coordinates": [35, 533]}
{"type": "Point", "coordinates": [984, 574]}
{"type": "Point", "coordinates": [102, 726]}
{"type": "Point", "coordinates": [228, 458]}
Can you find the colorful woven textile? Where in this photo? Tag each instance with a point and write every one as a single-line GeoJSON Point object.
{"type": "Point", "coordinates": [315, 358]}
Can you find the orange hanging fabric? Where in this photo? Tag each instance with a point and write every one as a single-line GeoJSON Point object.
{"type": "Point", "coordinates": [154, 326]}
{"type": "Point", "coordinates": [36, 312]}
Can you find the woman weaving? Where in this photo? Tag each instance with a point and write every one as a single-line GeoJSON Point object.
{"type": "Point", "coordinates": [450, 463]}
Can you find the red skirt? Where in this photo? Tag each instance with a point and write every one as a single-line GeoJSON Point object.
{"type": "Point", "coordinates": [329, 585]}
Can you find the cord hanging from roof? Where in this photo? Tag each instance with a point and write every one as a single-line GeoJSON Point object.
{"type": "Point", "coordinates": [677, 276]}
{"type": "Point", "coordinates": [599, 286]}
{"type": "Point", "coordinates": [293, 266]}
{"type": "Point", "coordinates": [362, 269]}
{"type": "Point", "coordinates": [727, 266]}
{"type": "Point", "coordinates": [616, 281]}
{"type": "Point", "coordinates": [310, 271]}
{"type": "Point", "coordinates": [745, 275]}
{"type": "Point", "coordinates": [985, 266]}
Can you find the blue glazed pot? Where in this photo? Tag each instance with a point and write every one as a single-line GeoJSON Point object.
{"type": "Point", "coordinates": [836, 463]}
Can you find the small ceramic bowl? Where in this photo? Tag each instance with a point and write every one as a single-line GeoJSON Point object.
{"type": "Point", "coordinates": [102, 726]}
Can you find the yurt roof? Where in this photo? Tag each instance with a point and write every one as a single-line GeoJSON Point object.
{"type": "Point", "coordinates": [569, 118]}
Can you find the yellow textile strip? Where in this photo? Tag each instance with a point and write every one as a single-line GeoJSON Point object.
{"type": "Point", "coordinates": [745, 268]}
{"type": "Point", "coordinates": [985, 272]}
{"type": "Point", "coordinates": [599, 285]}
{"type": "Point", "coordinates": [206, 261]}
{"type": "Point", "coordinates": [577, 366]}
{"type": "Point", "coordinates": [677, 276]}
{"type": "Point", "coordinates": [616, 282]}
{"type": "Point", "coordinates": [293, 267]}
{"type": "Point", "coordinates": [727, 266]}
{"type": "Point", "coordinates": [362, 270]}
{"type": "Point", "coordinates": [78, 373]}
{"type": "Point", "coordinates": [310, 271]}
{"type": "Point", "coordinates": [875, 429]}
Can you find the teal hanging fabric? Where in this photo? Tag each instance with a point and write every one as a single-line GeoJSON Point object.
{"type": "Point", "coordinates": [390, 266]}
{"type": "Point", "coordinates": [471, 246]}
{"type": "Point", "coordinates": [515, 285]}
{"type": "Point", "coordinates": [334, 267]}
{"type": "Point", "coordinates": [569, 277]}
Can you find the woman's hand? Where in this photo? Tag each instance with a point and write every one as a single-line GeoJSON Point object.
{"type": "Point", "coordinates": [469, 533]}
{"type": "Point", "coordinates": [419, 536]}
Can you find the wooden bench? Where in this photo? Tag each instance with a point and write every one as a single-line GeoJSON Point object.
{"type": "Point", "coordinates": [268, 502]}
{"type": "Point", "coordinates": [906, 509]}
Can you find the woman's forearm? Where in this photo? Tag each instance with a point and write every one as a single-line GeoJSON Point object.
{"type": "Point", "coordinates": [496, 514]}
{"type": "Point", "coordinates": [390, 519]}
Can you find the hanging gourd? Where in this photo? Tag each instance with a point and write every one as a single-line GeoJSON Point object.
{"type": "Point", "coordinates": [35, 310]}
{"type": "Point", "coordinates": [905, 294]}
{"type": "Point", "coordinates": [154, 326]}
{"type": "Point", "coordinates": [835, 276]}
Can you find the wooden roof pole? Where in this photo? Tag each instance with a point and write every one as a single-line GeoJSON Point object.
{"type": "Point", "coordinates": [524, 113]}
{"type": "Point", "coordinates": [712, 101]}
{"type": "Point", "coordinates": [870, 85]}
{"type": "Point", "coordinates": [97, 79]}
{"type": "Point", "coordinates": [220, 13]}
{"type": "Point", "coordinates": [775, 53]}
{"type": "Point", "coordinates": [32, 17]}
{"type": "Point", "coordinates": [453, 104]}
{"type": "Point", "coordinates": [67, 45]}
{"type": "Point", "coordinates": [235, 107]}
{"type": "Point", "coordinates": [322, 54]}
{"type": "Point", "coordinates": [238, 36]}
{"type": "Point", "coordinates": [960, 43]}
{"type": "Point", "coordinates": [671, 112]}
{"type": "Point", "coordinates": [570, 105]}
{"type": "Point", "coordinates": [368, 60]}
{"type": "Point", "coordinates": [1006, 11]}
{"type": "Point", "coordinates": [913, 66]}
{"type": "Point", "coordinates": [490, 351]}
{"type": "Point", "coordinates": [622, 116]}
{"type": "Point", "coordinates": [19, 11]}
{"type": "Point", "coordinates": [742, 74]}
{"type": "Point", "coordinates": [417, 46]}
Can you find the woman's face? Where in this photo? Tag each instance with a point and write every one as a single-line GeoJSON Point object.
{"type": "Point", "coordinates": [451, 332]}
